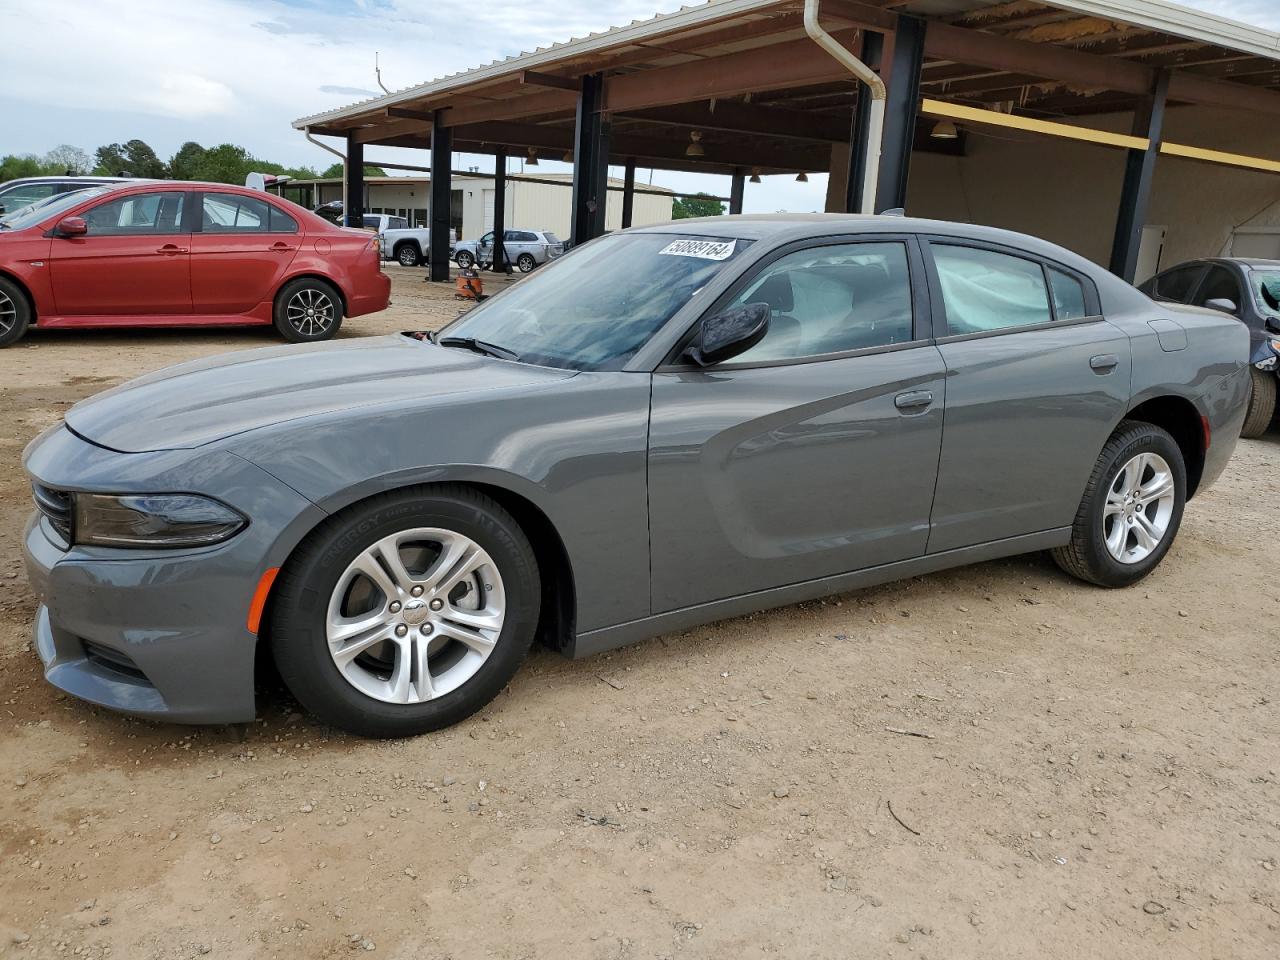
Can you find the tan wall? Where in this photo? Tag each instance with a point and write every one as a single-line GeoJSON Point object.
{"type": "Point", "coordinates": [1067, 192]}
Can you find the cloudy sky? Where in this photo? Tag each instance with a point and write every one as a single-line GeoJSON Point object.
{"type": "Point", "coordinates": [89, 72]}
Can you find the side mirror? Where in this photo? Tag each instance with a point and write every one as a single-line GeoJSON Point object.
{"type": "Point", "coordinates": [72, 227]}
{"type": "Point", "coordinates": [729, 334]}
{"type": "Point", "coordinates": [1224, 305]}
{"type": "Point", "coordinates": [1273, 324]}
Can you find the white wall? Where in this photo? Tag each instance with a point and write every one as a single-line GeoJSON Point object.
{"type": "Point", "coordinates": [1068, 192]}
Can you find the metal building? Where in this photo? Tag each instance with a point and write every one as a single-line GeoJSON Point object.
{"type": "Point", "coordinates": [1130, 130]}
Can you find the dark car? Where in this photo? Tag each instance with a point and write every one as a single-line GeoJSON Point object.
{"type": "Point", "coordinates": [1250, 290]}
{"type": "Point", "coordinates": [664, 427]}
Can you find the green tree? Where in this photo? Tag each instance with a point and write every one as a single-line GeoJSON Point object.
{"type": "Point", "coordinates": [699, 205]}
{"type": "Point", "coordinates": [28, 165]}
{"type": "Point", "coordinates": [334, 171]}
{"type": "Point", "coordinates": [184, 164]}
{"type": "Point", "coordinates": [134, 158]}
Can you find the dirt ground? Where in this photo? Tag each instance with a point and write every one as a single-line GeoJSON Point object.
{"type": "Point", "coordinates": [1097, 774]}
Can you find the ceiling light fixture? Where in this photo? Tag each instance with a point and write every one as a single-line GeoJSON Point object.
{"type": "Point", "coordinates": [533, 157]}
{"type": "Point", "coordinates": [945, 130]}
{"type": "Point", "coordinates": [755, 175]}
{"type": "Point", "coordinates": [695, 145]}
{"type": "Point", "coordinates": [802, 177]}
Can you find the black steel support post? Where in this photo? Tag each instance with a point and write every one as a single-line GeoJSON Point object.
{"type": "Point", "coordinates": [500, 211]}
{"type": "Point", "coordinates": [872, 55]}
{"type": "Point", "coordinates": [441, 198]}
{"type": "Point", "coordinates": [1139, 173]}
{"type": "Point", "coordinates": [590, 162]}
{"type": "Point", "coordinates": [353, 194]}
{"type": "Point", "coordinates": [902, 112]}
{"type": "Point", "coordinates": [629, 193]}
{"type": "Point", "coordinates": [737, 190]}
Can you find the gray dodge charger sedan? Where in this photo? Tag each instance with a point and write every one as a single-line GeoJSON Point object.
{"type": "Point", "coordinates": [667, 426]}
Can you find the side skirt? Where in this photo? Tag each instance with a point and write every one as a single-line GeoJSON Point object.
{"type": "Point", "coordinates": [138, 320]}
{"type": "Point", "coordinates": [610, 638]}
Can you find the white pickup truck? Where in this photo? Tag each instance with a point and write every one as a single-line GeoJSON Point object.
{"type": "Point", "coordinates": [407, 245]}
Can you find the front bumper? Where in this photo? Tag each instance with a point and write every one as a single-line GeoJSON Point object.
{"type": "Point", "coordinates": [159, 634]}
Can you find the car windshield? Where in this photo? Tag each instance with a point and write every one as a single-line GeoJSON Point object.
{"type": "Point", "coordinates": [21, 219]}
{"type": "Point", "coordinates": [1266, 290]}
{"type": "Point", "coordinates": [593, 309]}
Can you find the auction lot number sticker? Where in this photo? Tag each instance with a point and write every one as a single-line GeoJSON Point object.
{"type": "Point", "coordinates": [702, 249]}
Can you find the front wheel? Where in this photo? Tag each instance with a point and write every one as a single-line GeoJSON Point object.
{"type": "Point", "coordinates": [465, 260]}
{"type": "Point", "coordinates": [15, 313]}
{"type": "Point", "coordinates": [407, 255]}
{"type": "Point", "coordinates": [1131, 510]}
{"type": "Point", "coordinates": [307, 310]}
{"type": "Point", "coordinates": [526, 262]}
{"type": "Point", "coordinates": [1262, 404]}
{"type": "Point", "coordinates": [406, 613]}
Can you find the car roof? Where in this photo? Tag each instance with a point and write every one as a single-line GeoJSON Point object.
{"type": "Point", "coordinates": [72, 178]}
{"type": "Point", "coordinates": [779, 228]}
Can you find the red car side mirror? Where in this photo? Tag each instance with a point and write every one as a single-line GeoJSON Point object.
{"type": "Point", "coordinates": [72, 227]}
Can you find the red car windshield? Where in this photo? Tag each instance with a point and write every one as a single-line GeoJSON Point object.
{"type": "Point", "coordinates": [37, 212]}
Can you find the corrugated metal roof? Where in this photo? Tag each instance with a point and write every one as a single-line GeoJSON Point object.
{"type": "Point", "coordinates": [1156, 15]}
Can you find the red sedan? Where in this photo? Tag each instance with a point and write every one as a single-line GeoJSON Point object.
{"type": "Point", "coordinates": [166, 254]}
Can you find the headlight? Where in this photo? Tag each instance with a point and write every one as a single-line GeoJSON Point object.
{"type": "Point", "coordinates": [153, 520]}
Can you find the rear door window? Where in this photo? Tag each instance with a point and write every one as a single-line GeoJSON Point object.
{"type": "Point", "coordinates": [984, 290]}
{"type": "Point", "coordinates": [232, 213]}
{"type": "Point", "coordinates": [1069, 301]}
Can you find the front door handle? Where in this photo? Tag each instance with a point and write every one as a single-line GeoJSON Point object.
{"type": "Point", "coordinates": [914, 400]}
{"type": "Point", "coordinates": [171, 249]}
{"type": "Point", "coordinates": [1104, 363]}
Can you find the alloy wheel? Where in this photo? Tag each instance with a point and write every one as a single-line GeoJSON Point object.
{"type": "Point", "coordinates": [415, 615]}
{"type": "Point", "coordinates": [8, 314]}
{"type": "Point", "coordinates": [1139, 508]}
{"type": "Point", "coordinates": [311, 312]}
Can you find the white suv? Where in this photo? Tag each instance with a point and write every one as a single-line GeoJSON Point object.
{"type": "Point", "coordinates": [526, 249]}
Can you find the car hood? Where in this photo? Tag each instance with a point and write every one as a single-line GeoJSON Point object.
{"type": "Point", "coordinates": [206, 400]}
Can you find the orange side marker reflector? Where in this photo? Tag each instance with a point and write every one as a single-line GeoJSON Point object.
{"type": "Point", "coordinates": [260, 599]}
{"type": "Point", "coordinates": [1208, 431]}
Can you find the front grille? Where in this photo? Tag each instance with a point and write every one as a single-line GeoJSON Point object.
{"type": "Point", "coordinates": [57, 508]}
{"type": "Point", "coordinates": [111, 659]}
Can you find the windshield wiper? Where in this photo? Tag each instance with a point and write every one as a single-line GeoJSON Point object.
{"type": "Point", "coordinates": [479, 346]}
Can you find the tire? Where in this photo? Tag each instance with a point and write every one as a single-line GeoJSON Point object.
{"type": "Point", "coordinates": [1091, 554]}
{"type": "Point", "coordinates": [294, 300]}
{"type": "Point", "coordinates": [526, 262]}
{"type": "Point", "coordinates": [15, 312]}
{"type": "Point", "coordinates": [408, 255]}
{"type": "Point", "coordinates": [1262, 404]}
{"type": "Point", "coordinates": [465, 260]}
{"type": "Point", "coordinates": [315, 591]}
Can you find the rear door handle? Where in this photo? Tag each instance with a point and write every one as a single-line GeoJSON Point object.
{"type": "Point", "coordinates": [1104, 363]}
{"type": "Point", "coordinates": [171, 249]}
{"type": "Point", "coordinates": [914, 400]}
{"type": "Point", "coordinates": [280, 247]}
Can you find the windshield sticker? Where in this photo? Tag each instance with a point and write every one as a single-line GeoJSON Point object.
{"type": "Point", "coordinates": [702, 249]}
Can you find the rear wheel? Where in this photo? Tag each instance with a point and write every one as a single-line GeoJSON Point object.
{"type": "Point", "coordinates": [406, 613]}
{"type": "Point", "coordinates": [408, 255]}
{"type": "Point", "coordinates": [15, 312]}
{"type": "Point", "coordinates": [307, 310]}
{"type": "Point", "coordinates": [1262, 403]}
{"type": "Point", "coordinates": [526, 262]}
{"type": "Point", "coordinates": [1132, 508]}
{"type": "Point", "coordinates": [465, 260]}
